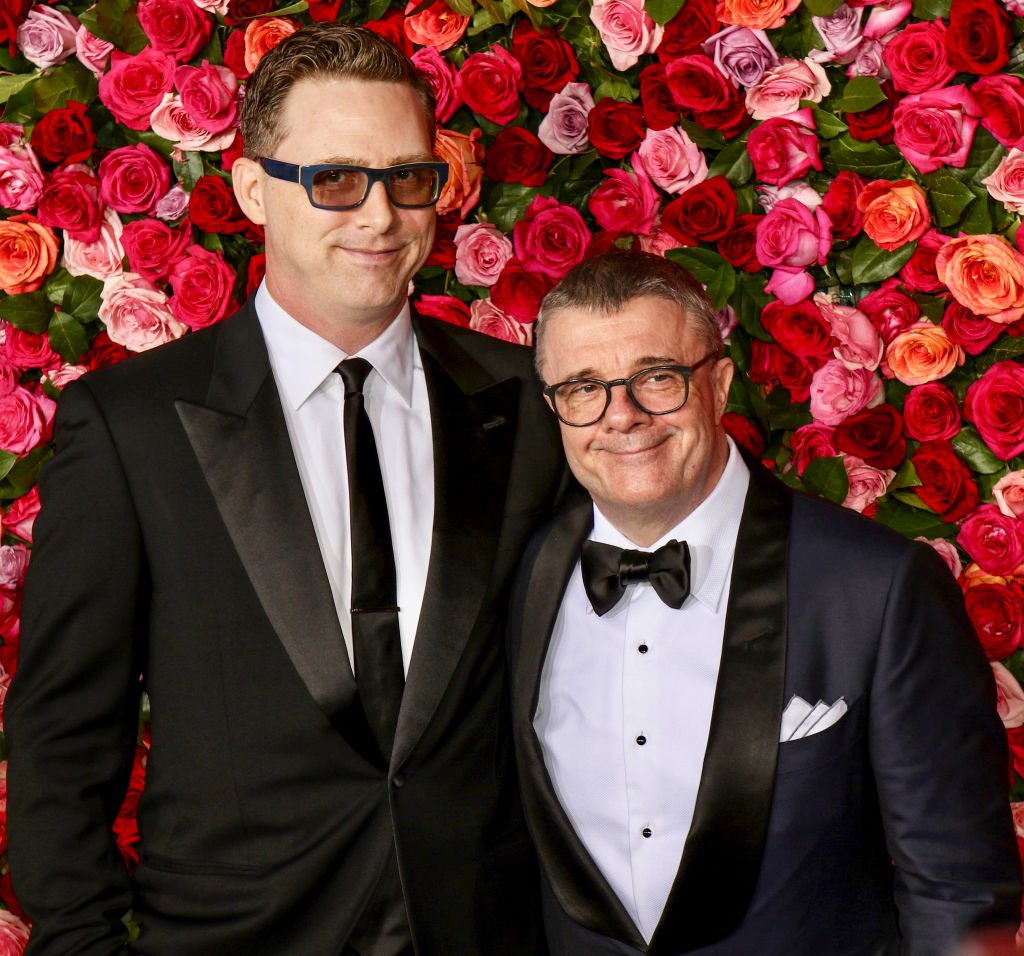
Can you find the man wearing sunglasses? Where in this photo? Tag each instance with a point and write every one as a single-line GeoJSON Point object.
{"type": "Point", "coordinates": [295, 530]}
{"type": "Point", "coordinates": [748, 723]}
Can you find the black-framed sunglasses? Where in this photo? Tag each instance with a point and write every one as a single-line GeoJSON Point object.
{"type": "Point", "coordinates": [659, 390]}
{"type": "Point", "coordinates": [341, 186]}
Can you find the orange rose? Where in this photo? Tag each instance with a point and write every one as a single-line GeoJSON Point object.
{"type": "Point", "coordinates": [438, 25]}
{"type": "Point", "coordinates": [973, 576]}
{"type": "Point", "coordinates": [28, 253]}
{"type": "Point", "coordinates": [755, 14]}
{"type": "Point", "coordinates": [985, 275]}
{"type": "Point", "coordinates": [464, 156]}
{"type": "Point", "coordinates": [894, 213]}
{"type": "Point", "coordinates": [923, 353]}
{"type": "Point", "coordinates": [261, 36]}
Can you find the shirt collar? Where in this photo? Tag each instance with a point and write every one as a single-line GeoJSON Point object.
{"type": "Point", "coordinates": [303, 360]}
{"type": "Point", "coordinates": [709, 530]}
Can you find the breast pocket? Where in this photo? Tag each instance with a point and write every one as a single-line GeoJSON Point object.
{"type": "Point", "coordinates": [828, 746]}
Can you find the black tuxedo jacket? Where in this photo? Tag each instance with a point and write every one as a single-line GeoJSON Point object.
{"type": "Point", "coordinates": [175, 543]}
{"type": "Point", "coordinates": [888, 833]}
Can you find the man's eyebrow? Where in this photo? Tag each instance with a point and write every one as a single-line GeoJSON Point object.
{"type": "Point", "coordinates": [394, 161]}
{"type": "Point", "coordinates": [641, 363]}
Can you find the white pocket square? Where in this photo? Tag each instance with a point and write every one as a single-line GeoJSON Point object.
{"type": "Point", "coordinates": [801, 719]}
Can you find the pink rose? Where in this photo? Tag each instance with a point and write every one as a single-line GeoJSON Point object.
{"type": "Point", "coordinates": [937, 128]}
{"type": "Point", "coordinates": [60, 377]}
{"type": "Point", "coordinates": [918, 274]}
{"type": "Point", "coordinates": [885, 17]}
{"type": "Point", "coordinates": [784, 148]}
{"type": "Point", "coordinates": [792, 236]}
{"type": "Point", "coordinates": [973, 333]}
{"type": "Point", "coordinates": [858, 344]}
{"type": "Point", "coordinates": [917, 59]}
{"type": "Point", "coordinates": [173, 204]}
{"type": "Point", "coordinates": [564, 129]}
{"type": "Point", "coordinates": [153, 248]}
{"type": "Point", "coordinates": [92, 52]}
{"type": "Point", "coordinates": [22, 514]}
{"type": "Point", "coordinates": [995, 404]}
{"type": "Point", "coordinates": [72, 203]}
{"type": "Point", "coordinates": [626, 30]}
{"type": "Point", "coordinates": [658, 242]}
{"type": "Point", "coordinates": [672, 159]}
{"type": "Point", "coordinates": [488, 84]}
{"type": "Point", "coordinates": [890, 310]}
{"type": "Point", "coordinates": [442, 77]}
{"type": "Point", "coordinates": [13, 932]}
{"type": "Point", "coordinates": [98, 259]}
{"type": "Point", "coordinates": [133, 178]}
{"type": "Point", "coordinates": [28, 350]}
{"type": "Point", "coordinates": [487, 318]}
{"type": "Point", "coordinates": [780, 89]}
{"type": "Point", "coordinates": [175, 27]}
{"type": "Point", "coordinates": [837, 392]}
{"type": "Point", "coordinates": [842, 34]}
{"type": "Point", "coordinates": [800, 190]}
{"type": "Point", "coordinates": [174, 122]}
{"type": "Point", "coordinates": [202, 283]}
{"type": "Point", "coordinates": [481, 251]}
{"type": "Point", "coordinates": [626, 201]}
{"type": "Point", "coordinates": [994, 540]}
{"type": "Point", "coordinates": [25, 419]}
{"type": "Point", "coordinates": [21, 178]}
{"type": "Point", "coordinates": [13, 563]}
{"type": "Point", "coordinates": [1006, 182]}
{"type": "Point", "coordinates": [741, 54]}
{"type": "Point", "coordinates": [947, 551]}
{"type": "Point", "coordinates": [47, 36]}
{"type": "Point", "coordinates": [209, 94]}
{"type": "Point", "coordinates": [135, 85]}
{"type": "Point", "coordinates": [551, 238]}
{"type": "Point", "coordinates": [1009, 704]}
{"type": "Point", "coordinates": [866, 484]}
{"type": "Point", "coordinates": [434, 24]}
{"type": "Point", "coordinates": [136, 313]}
{"type": "Point", "coordinates": [1009, 494]}
{"type": "Point", "coordinates": [1001, 98]}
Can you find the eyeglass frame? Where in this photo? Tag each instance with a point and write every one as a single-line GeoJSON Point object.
{"type": "Point", "coordinates": [687, 371]}
{"type": "Point", "coordinates": [304, 175]}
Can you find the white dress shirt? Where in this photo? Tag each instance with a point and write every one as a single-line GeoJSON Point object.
{"type": "Point", "coordinates": [625, 705]}
{"type": "Point", "coordinates": [396, 402]}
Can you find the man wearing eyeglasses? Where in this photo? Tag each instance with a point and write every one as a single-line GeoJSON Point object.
{"type": "Point", "coordinates": [295, 530]}
{"type": "Point", "coordinates": [748, 723]}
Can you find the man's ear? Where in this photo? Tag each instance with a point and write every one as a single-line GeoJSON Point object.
{"type": "Point", "coordinates": [721, 379]}
{"type": "Point", "coordinates": [248, 181]}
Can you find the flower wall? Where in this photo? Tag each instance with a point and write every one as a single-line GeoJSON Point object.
{"type": "Point", "coordinates": [847, 179]}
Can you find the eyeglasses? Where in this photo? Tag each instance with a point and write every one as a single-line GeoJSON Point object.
{"type": "Point", "coordinates": [339, 186]}
{"type": "Point", "coordinates": [659, 390]}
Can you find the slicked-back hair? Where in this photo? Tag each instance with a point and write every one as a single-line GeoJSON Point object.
{"type": "Point", "coordinates": [323, 51]}
{"type": "Point", "coordinates": [606, 283]}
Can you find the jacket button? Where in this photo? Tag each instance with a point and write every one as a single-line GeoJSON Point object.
{"type": "Point", "coordinates": [398, 781]}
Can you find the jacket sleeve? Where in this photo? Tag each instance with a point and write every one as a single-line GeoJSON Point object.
{"type": "Point", "coordinates": [939, 756]}
{"type": "Point", "coordinates": [72, 711]}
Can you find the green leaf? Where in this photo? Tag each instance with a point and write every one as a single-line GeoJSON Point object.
{"type": "Point", "coordinates": [932, 308]}
{"type": "Point", "coordinates": [784, 414]}
{"type": "Point", "coordinates": [705, 138]}
{"type": "Point", "coordinates": [72, 81]}
{"type": "Point", "coordinates": [906, 477]}
{"type": "Point", "coordinates": [910, 499]}
{"type": "Point", "coordinates": [20, 479]}
{"type": "Point", "coordinates": [871, 264]}
{"type": "Point", "coordinates": [116, 21]}
{"type": "Point", "coordinates": [931, 9]}
{"type": "Point", "coordinates": [377, 9]}
{"type": "Point", "coordinates": [7, 461]}
{"type": "Point", "coordinates": [949, 196]}
{"type": "Point", "coordinates": [29, 311]}
{"type": "Point", "coordinates": [986, 153]}
{"type": "Point", "coordinates": [868, 159]}
{"type": "Point", "coordinates": [9, 85]}
{"type": "Point", "coordinates": [56, 285]}
{"type": "Point", "coordinates": [827, 477]}
{"type": "Point", "coordinates": [861, 93]}
{"type": "Point", "coordinates": [188, 172]}
{"type": "Point", "coordinates": [828, 124]}
{"type": "Point", "coordinates": [748, 301]}
{"type": "Point", "coordinates": [661, 11]}
{"type": "Point", "coordinates": [508, 204]}
{"type": "Point", "coordinates": [616, 87]}
{"type": "Point", "coordinates": [821, 8]}
{"type": "Point", "coordinates": [977, 221]}
{"type": "Point", "coordinates": [1004, 348]}
{"type": "Point", "coordinates": [733, 163]}
{"type": "Point", "coordinates": [464, 8]}
{"type": "Point", "coordinates": [721, 287]}
{"type": "Point", "coordinates": [67, 337]}
{"type": "Point", "coordinates": [975, 452]}
{"type": "Point", "coordinates": [910, 521]}
{"type": "Point", "coordinates": [82, 298]}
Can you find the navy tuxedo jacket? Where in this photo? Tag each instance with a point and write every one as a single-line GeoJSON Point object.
{"type": "Point", "coordinates": [887, 833]}
{"type": "Point", "coordinates": [175, 552]}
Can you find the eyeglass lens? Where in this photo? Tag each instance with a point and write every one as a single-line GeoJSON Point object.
{"type": "Point", "coordinates": [348, 187]}
{"type": "Point", "coordinates": [656, 390]}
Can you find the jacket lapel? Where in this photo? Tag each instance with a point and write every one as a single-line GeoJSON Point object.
{"type": "Point", "coordinates": [722, 856]}
{"type": "Point", "coordinates": [473, 423]}
{"type": "Point", "coordinates": [241, 441]}
{"type": "Point", "coordinates": [578, 884]}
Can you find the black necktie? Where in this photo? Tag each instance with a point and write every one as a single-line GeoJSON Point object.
{"type": "Point", "coordinates": [607, 570]}
{"type": "Point", "coordinates": [376, 638]}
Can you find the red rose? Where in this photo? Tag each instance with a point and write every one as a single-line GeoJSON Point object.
{"type": "Point", "coordinates": [391, 26]}
{"type": "Point", "coordinates": [930, 413]}
{"type": "Point", "coordinates": [772, 365]}
{"type": "Point", "coordinates": [738, 246]}
{"type": "Point", "coordinates": [1001, 98]}
{"type": "Point", "coordinates": [72, 202]}
{"type": "Point", "coordinates": [917, 57]}
{"type": "Point", "coordinates": [840, 203]}
{"type": "Point", "coordinates": [234, 57]}
{"type": "Point", "coordinates": [874, 435]}
{"type": "Point", "coordinates": [324, 11]}
{"type": "Point", "coordinates": [125, 826]}
{"type": "Point", "coordinates": [973, 333]}
{"type": "Point", "coordinates": [240, 12]}
{"type": "Point", "coordinates": [488, 84]}
{"type": "Point", "coordinates": [697, 84]}
{"type": "Point", "coordinates": [517, 156]}
{"type": "Point", "coordinates": [175, 27]}
{"type": "Point", "coordinates": [704, 213]}
{"type": "Point", "coordinates": [255, 270]}
{"type": "Point", "coordinates": [919, 273]}
{"type": "Point", "coordinates": [660, 109]}
{"type": "Point", "coordinates": [550, 238]}
{"type": "Point", "coordinates": [14, 14]}
{"type": "Point", "coordinates": [103, 352]}
{"type": "Point", "coordinates": [993, 540]}
{"type": "Point", "coordinates": [213, 207]}
{"type": "Point", "coordinates": [890, 310]}
{"type": "Point", "coordinates": [153, 247]}
{"type": "Point", "coordinates": [810, 442]}
{"type": "Point", "coordinates": [24, 350]}
{"type": "Point", "coordinates": [548, 63]}
{"type": "Point", "coordinates": [518, 292]}
{"type": "Point", "coordinates": [615, 129]}
{"type": "Point", "coordinates": [687, 30]}
{"type": "Point", "coordinates": [730, 120]}
{"type": "Point", "coordinates": [995, 403]}
{"type": "Point", "coordinates": [442, 253]}
{"type": "Point", "coordinates": [997, 613]}
{"type": "Point", "coordinates": [875, 124]}
{"type": "Point", "coordinates": [800, 329]}
{"type": "Point", "coordinates": [202, 283]}
{"type": "Point", "coordinates": [979, 37]}
{"type": "Point", "coordinates": [444, 307]}
{"type": "Point", "coordinates": [133, 86]}
{"type": "Point", "coordinates": [64, 135]}
{"type": "Point", "coordinates": [946, 485]}
{"type": "Point", "coordinates": [744, 432]}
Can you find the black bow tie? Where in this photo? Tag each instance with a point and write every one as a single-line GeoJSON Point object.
{"type": "Point", "coordinates": [607, 570]}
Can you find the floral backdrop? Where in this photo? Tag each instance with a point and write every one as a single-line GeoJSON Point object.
{"type": "Point", "coordinates": [847, 179]}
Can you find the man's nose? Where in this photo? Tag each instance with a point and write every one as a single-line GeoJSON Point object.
{"type": "Point", "coordinates": [623, 412]}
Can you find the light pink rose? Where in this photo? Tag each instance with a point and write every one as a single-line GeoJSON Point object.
{"type": "Point", "coordinates": [658, 242]}
{"type": "Point", "coordinates": [869, 61]}
{"type": "Point", "coordinates": [13, 563]}
{"type": "Point", "coordinates": [784, 148]}
{"type": "Point", "coordinates": [842, 34]}
{"type": "Point", "coordinates": [936, 129]}
{"type": "Point", "coordinates": [488, 318]}
{"type": "Point", "coordinates": [219, 7]}
{"type": "Point", "coordinates": [92, 52]}
{"type": "Point", "coordinates": [21, 178]}
{"type": "Point", "coordinates": [47, 36]}
{"type": "Point", "coordinates": [173, 204]}
{"type": "Point", "coordinates": [858, 344]}
{"type": "Point", "coordinates": [780, 89]}
{"type": "Point", "coordinates": [1009, 494]}
{"type": "Point", "coordinates": [1009, 696]}
{"type": "Point", "coordinates": [947, 551]}
{"type": "Point", "coordinates": [741, 54]}
{"type": "Point", "coordinates": [837, 392]}
{"type": "Point", "coordinates": [13, 932]}
{"type": "Point", "coordinates": [1006, 182]}
{"type": "Point", "coordinates": [99, 259]}
{"type": "Point", "coordinates": [136, 313]}
{"type": "Point", "coordinates": [59, 378]}
{"type": "Point", "coordinates": [25, 419]}
{"type": "Point", "coordinates": [175, 123]}
{"type": "Point", "coordinates": [626, 30]}
{"type": "Point", "coordinates": [866, 484]}
{"type": "Point", "coordinates": [672, 159]}
{"type": "Point", "coordinates": [441, 74]}
{"type": "Point", "coordinates": [564, 129]}
{"type": "Point", "coordinates": [481, 251]}
{"type": "Point", "coordinates": [800, 190]}
{"type": "Point", "coordinates": [209, 94]}
{"type": "Point", "coordinates": [886, 17]}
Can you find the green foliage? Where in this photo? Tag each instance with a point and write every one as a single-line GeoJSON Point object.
{"type": "Point", "coordinates": [861, 93]}
{"type": "Point", "coordinates": [827, 477]}
{"type": "Point", "coordinates": [871, 264]}
{"type": "Point", "coordinates": [709, 268]}
{"type": "Point", "coordinates": [29, 311]}
{"type": "Point", "coordinates": [116, 21]}
{"type": "Point", "coordinates": [949, 196]}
